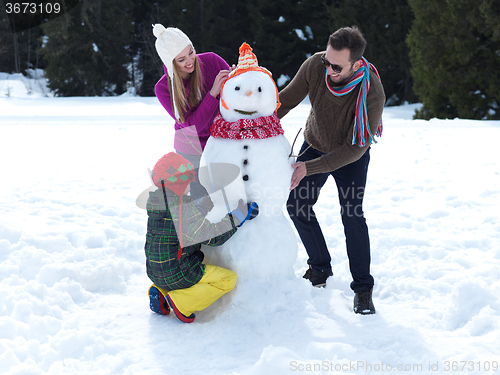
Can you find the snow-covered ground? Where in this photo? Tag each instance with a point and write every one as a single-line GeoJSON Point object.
{"type": "Point", "coordinates": [73, 287]}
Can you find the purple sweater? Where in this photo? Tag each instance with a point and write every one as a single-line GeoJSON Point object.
{"type": "Point", "coordinates": [202, 116]}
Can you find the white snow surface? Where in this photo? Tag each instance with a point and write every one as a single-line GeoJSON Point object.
{"type": "Point", "coordinates": [73, 286]}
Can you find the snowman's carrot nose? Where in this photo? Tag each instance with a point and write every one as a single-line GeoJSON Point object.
{"type": "Point", "coordinates": [249, 93]}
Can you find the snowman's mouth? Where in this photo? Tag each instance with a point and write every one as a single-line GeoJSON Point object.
{"type": "Point", "coordinates": [245, 112]}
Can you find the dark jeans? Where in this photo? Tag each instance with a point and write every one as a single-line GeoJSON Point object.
{"type": "Point", "coordinates": [351, 181]}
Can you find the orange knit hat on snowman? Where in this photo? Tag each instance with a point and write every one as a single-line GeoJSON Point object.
{"type": "Point", "coordinates": [246, 63]}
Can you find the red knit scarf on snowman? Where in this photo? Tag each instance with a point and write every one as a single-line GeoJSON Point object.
{"type": "Point", "coordinates": [258, 128]}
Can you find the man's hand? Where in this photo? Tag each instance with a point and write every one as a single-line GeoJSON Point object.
{"type": "Point", "coordinates": [298, 174]}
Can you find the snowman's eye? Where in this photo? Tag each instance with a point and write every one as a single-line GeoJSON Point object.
{"type": "Point", "coordinates": [237, 88]}
{"type": "Point", "coordinates": [260, 90]}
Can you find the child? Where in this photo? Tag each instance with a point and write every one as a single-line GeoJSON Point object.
{"type": "Point", "coordinates": [182, 283]}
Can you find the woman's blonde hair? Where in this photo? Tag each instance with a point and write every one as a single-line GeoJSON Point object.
{"type": "Point", "coordinates": [196, 93]}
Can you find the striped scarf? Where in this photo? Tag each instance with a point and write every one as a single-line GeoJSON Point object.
{"type": "Point", "coordinates": [361, 127]}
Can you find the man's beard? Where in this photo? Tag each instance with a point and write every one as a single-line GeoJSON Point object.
{"type": "Point", "coordinates": [342, 82]}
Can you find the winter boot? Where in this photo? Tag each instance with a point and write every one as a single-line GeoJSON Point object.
{"type": "Point", "coordinates": [363, 303]}
{"type": "Point", "coordinates": [157, 302]}
{"type": "Point", "coordinates": [317, 278]}
{"type": "Point", "coordinates": [178, 314]}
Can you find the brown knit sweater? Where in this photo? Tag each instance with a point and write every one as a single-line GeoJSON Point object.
{"type": "Point", "coordinates": [329, 127]}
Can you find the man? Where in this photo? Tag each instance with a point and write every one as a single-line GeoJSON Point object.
{"type": "Point", "coordinates": [347, 100]}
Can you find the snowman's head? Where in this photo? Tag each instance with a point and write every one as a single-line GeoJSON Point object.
{"type": "Point", "coordinates": [248, 95]}
{"type": "Point", "coordinates": [249, 92]}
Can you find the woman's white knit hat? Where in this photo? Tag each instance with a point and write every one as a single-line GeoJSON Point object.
{"type": "Point", "coordinates": [169, 43]}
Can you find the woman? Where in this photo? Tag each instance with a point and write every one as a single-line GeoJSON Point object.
{"type": "Point", "coordinates": [189, 91]}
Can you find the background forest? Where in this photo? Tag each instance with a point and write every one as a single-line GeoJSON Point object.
{"type": "Point", "coordinates": [444, 54]}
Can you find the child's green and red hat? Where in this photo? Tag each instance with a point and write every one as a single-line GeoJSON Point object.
{"type": "Point", "coordinates": [174, 172]}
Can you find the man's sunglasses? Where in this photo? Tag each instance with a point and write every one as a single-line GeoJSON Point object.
{"type": "Point", "coordinates": [336, 69]}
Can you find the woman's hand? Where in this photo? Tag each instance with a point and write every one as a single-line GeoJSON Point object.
{"type": "Point", "coordinates": [215, 91]}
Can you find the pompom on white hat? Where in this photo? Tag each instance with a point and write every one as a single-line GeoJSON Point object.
{"type": "Point", "coordinates": [169, 43]}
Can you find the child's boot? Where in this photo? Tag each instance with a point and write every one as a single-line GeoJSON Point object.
{"type": "Point", "coordinates": [178, 314]}
{"type": "Point", "coordinates": [157, 302]}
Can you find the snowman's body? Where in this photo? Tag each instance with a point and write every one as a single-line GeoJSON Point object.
{"type": "Point", "coordinates": [263, 251]}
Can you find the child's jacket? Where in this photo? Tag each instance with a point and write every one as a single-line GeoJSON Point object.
{"type": "Point", "coordinates": [162, 243]}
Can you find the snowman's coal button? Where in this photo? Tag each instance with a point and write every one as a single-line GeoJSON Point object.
{"type": "Point", "coordinates": [245, 177]}
{"type": "Point", "coordinates": [245, 162]}
{"type": "Point", "coordinates": [245, 147]}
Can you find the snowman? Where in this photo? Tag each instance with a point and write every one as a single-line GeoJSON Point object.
{"type": "Point", "coordinates": [247, 134]}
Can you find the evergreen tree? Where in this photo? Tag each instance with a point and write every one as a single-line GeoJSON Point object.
{"type": "Point", "coordinates": [19, 51]}
{"type": "Point", "coordinates": [146, 66]}
{"type": "Point", "coordinates": [385, 25]}
{"type": "Point", "coordinates": [226, 25]}
{"type": "Point", "coordinates": [87, 48]}
{"type": "Point", "coordinates": [455, 54]}
{"type": "Point", "coordinates": [283, 37]}
{"type": "Point", "coordinates": [211, 25]}
{"type": "Point", "coordinates": [100, 48]}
